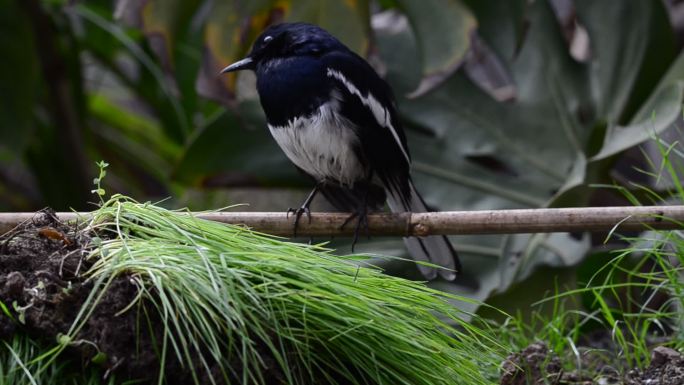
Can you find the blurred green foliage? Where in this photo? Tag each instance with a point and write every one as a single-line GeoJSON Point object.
{"type": "Point", "coordinates": [507, 104]}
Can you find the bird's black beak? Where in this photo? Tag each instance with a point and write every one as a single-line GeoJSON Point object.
{"type": "Point", "coordinates": [244, 64]}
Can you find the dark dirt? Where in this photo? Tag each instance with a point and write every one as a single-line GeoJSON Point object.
{"type": "Point", "coordinates": [40, 263]}
{"type": "Point", "coordinates": [537, 364]}
{"type": "Point", "coordinates": [42, 284]}
{"type": "Point", "coordinates": [667, 368]}
{"type": "Point", "coordinates": [534, 365]}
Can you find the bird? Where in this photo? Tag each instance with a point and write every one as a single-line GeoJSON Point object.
{"type": "Point", "coordinates": [336, 119]}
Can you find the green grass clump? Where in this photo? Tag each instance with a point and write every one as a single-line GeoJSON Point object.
{"type": "Point", "coordinates": [640, 292]}
{"type": "Point", "coordinates": [632, 304]}
{"type": "Point", "coordinates": [22, 362]}
{"type": "Point", "coordinates": [636, 297]}
{"type": "Point", "coordinates": [223, 291]}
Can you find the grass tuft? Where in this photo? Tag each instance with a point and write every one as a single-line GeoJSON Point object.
{"type": "Point", "coordinates": [636, 298]}
{"type": "Point", "coordinates": [226, 294]}
{"type": "Point", "coordinates": [21, 364]}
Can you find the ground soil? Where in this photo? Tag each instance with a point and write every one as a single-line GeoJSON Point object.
{"type": "Point", "coordinates": [42, 263]}
{"type": "Point", "coordinates": [537, 364]}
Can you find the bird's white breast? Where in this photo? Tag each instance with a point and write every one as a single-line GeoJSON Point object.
{"type": "Point", "coordinates": [322, 145]}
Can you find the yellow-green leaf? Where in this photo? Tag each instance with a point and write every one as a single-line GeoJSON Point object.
{"type": "Point", "coordinates": [348, 20]}
{"type": "Point", "coordinates": [161, 21]}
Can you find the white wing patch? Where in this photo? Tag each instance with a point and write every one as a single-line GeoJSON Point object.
{"type": "Point", "coordinates": [379, 111]}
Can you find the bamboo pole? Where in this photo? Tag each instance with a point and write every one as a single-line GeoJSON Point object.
{"type": "Point", "coordinates": [445, 222]}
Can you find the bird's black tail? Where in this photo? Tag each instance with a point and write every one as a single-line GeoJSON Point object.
{"type": "Point", "coordinates": [435, 249]}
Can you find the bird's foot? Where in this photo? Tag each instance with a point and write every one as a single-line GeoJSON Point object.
{"type": "Point", "coordinates": [362, 221]}
{"type": "Point", "coordinates": [298, 215]}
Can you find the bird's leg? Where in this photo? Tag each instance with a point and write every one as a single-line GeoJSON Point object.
{"type": "Point", "coordinates": [362, 214]}
{"type": "Point", "coordinates": [363, 221]}
{"type": "Point", "coordinates": [303, 209]}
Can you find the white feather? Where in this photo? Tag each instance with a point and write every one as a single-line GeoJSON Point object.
{"type": "Point", "coordinates": [322, 145]}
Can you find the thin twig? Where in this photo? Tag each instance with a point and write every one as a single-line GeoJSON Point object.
{"type": "Point", "coordinates": [445, 222]}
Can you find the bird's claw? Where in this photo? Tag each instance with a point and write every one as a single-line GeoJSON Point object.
{"type": "Point", "coordinates": [349, 219]}
{"type": "Point", "coordinates": [362, 221]}
{"type": "Point", "coordinates": [298, 214]}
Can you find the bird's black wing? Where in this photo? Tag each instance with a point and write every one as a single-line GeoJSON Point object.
{"type": "Point", "coordinates": [367, 101]}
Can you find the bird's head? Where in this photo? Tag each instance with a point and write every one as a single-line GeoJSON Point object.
{"type": "Point", "coordinates": [285, 40]}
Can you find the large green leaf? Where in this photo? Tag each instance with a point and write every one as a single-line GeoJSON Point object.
{"type": "Point", "coordinates": [632, 45]}
{"type": "Point", "coordinates": [443, 29]}
{"type": "Point", "coordinates": [661, 109]}
{"type": "Point", "coordinates": [519, 152]}
{"type": "Point", "coordinates": [232, 150]}
{"type": "Point", "coordinates": [502, 24]}
{"type": "Point", "coordinates": [474, 152]}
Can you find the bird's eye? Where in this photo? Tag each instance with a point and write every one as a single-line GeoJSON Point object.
{"type": "Point", "coordinates": [267, 39]}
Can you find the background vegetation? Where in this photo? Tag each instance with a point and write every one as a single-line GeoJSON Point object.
{"type": "Point", "coordinates": [507, 104]}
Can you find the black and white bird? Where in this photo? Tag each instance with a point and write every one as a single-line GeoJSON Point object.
{"type": "Point", "coordinates": [337, 121]}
